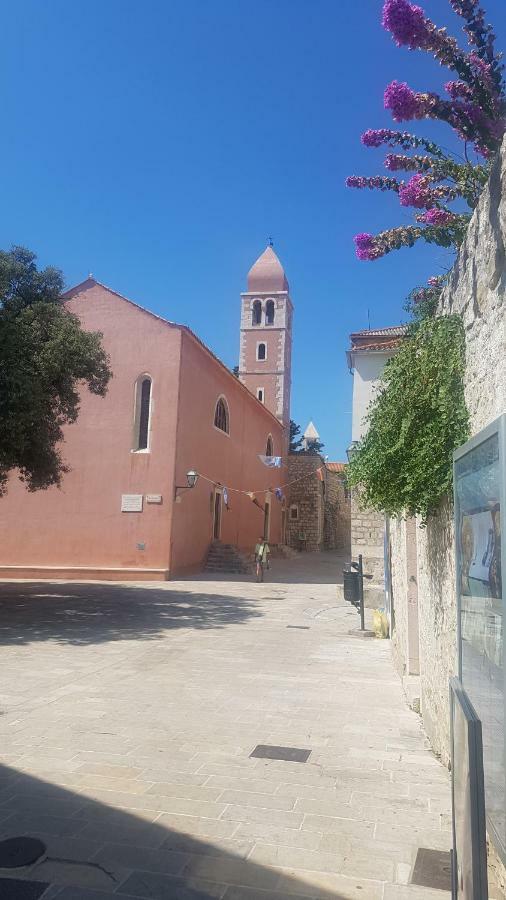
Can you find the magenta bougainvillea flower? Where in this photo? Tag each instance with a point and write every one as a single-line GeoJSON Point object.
{"type": "Point", "coordinates": [406, 23]}
{"type": "Point", "coordinates": [403, 102]}
{"type": "Point", "coordinates": [458, 90]}
{"type": "Point", "coordinates": [417, 192]}
{"type": "Point", "coordinates": [436, 217]}
{"type": "Point", "coordinates": [364, 245]}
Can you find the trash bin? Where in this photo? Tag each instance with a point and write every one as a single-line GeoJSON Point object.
{"type": "Point", "coordinates": [351, 587]}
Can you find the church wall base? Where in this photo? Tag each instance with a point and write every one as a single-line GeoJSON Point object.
{"type": "Point", "coordinates": [80, 573]}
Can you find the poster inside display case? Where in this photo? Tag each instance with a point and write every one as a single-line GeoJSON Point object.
{"type": "Point", "coordinates": [479, 486]}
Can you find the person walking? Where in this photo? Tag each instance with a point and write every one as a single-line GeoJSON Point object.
{"type": "Point", "coordinates": [262, 552]}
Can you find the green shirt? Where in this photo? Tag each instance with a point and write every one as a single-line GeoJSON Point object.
{"type": "Point", "coordinates": [261, 551]}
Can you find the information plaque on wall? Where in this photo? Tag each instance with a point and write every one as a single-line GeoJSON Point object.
{"type": "Point", "coordinates": [131, 503]}
{"type": "Point", "coordinates": [479, 486]}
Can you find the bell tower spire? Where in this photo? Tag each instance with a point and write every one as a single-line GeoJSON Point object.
{"type": "Point", "coordinates": [265, 357]}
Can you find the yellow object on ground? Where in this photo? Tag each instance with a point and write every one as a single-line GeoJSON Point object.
{"type": "Point", "coordinates": [380, 623]}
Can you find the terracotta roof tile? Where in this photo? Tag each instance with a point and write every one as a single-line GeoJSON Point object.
{"type": "Point", "coordinates": [336, 466]}
{"type": "Point", "coordinates": [378, 338]}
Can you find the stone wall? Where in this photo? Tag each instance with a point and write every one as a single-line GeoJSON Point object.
{"type": "Point", "coordinates": [337, 512]}
{"type": "Point", "coordinates": [322, 505]}
{"type": "Point", "coordinates": [306, 494]}
{"type": "Point", "coordinates": [368, 538]}
{"type": "Point", "coordinates": [399, 592]}
{"type": "Point", "coordinates": [476, 291]}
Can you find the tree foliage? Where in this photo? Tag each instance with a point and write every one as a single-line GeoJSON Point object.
{"type": "Point", "coordinates": [295, 440]}
{"type": "Point", "coordinates": [418, 418]}
{"type": "Point", "coordinates": [314, 446]}
{"type": "Point", "coordinates": [45, 359]}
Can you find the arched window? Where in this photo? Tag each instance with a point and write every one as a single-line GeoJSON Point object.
{"type": "Point", "coordinates": [269, 449]}
{"type": "Point", "coordinates": [261, 351]}
{"type": "Point", "coordinates": [269, 312]}
{"type": "Point", "coordinates": [142, 413]}
{"type": "Point", "coordinates": [260, 394]}
{"type": "Point", "coordinates": [257, 312]}
{"type": "Point", "coordinates": [221, 415]}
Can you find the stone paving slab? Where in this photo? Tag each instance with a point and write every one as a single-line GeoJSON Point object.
{"type": "Point", "coordinates": [129, 713]}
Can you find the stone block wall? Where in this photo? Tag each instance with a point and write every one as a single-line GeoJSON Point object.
{"type": "Point", "coordinates": [368, 538]}
{"type": "Point", "coordinates": [477, 292]}
{"type": "Point", "coordinates": [337, 512]}
{"type": "Point", "coordinates": [307, 495]}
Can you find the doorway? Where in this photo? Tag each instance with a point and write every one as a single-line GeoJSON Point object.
{"type": "Point", "coordinates": [217, 516]}
{"type": "Point", "coordinates": [267, 520]}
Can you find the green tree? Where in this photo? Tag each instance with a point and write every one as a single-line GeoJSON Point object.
{"type": "Point", "coordinates": [418, 418]}
{"type": "Point", "coordinates": [315, 446]}
{"type": "Point", "coordinates": [45, 359]}
{"type": "Point", "coordinates": [295, 441]}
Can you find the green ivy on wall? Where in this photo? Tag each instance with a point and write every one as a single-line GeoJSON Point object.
{"type": "Point", "coordinates": [419, 416]}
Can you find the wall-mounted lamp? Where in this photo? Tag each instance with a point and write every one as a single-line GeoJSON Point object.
{"type": "Point", "coordinates": [191, 480]}
{"type": "Point", "coordinates": [351, 450]}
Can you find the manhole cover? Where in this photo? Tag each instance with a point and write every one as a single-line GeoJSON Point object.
{"type": "Point", "coordinates": [288, 754]}
{"type": "Point", "coordinates": [20, 851]}
{"type": "Point", "coordinates": [432, 869]}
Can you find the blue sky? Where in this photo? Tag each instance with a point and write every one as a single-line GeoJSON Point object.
{"type": "Point", "coordinates": [158, 145]}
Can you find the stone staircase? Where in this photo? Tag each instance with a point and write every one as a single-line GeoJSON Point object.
{"type": "Point", "coordinates": [227, 559]}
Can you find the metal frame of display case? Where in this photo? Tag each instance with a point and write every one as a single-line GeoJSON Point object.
{"type": "Point", "coordinates": [497, 427]}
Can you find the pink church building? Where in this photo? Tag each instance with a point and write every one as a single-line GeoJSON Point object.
{"type": "Point", "coordinates": [125, 511]}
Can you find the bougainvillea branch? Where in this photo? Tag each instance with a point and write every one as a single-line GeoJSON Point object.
{"type": "Point", "coordinates": [372, 246]}
{"type": "Point", "coordinates": [411, 28]}
{"type": "Point", "coordinates": [476, 110]}
{"type": "Point", "coordinates": [376, 137]}
{"type": "Point", "coordinates": [422, 301]}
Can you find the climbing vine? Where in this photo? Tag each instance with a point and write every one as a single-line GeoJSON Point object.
{"type": "Point", "coordinates": [418, 418]}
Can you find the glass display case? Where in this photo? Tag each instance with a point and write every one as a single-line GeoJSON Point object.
{"type": "Point", "coordinates": [479, 487]}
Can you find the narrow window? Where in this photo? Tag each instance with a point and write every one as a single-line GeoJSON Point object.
{"type": "Point", "coordinates": [142, 413]}
{"type": "Point", "coordinates": [257, 312]}
{"type": "Point", "coordinates": [294, 513]}
{"type": "Point", "coordinates": [269, 312]}
{"type": "Point", "coordinates": [221, 416]}
{"type": "Point", "coordinates": [262, 351]}
{"type": "Point", "coordinates": [260, 394]}
{"type": "Point", "coordinates": [269, 450]}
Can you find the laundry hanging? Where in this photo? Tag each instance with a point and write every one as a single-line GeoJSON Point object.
{"type": "Point", "coordinates": [272, 462]}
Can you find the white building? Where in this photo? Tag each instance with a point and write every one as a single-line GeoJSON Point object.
{"type": "Point", "coordinates": [369, 351]}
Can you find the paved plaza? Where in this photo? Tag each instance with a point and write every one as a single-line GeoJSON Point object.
{"type": "Point", "coordinates": [128, 714]}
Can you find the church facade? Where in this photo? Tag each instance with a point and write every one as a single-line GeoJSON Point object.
{"type": "Point", "coordinates": [125, 509]}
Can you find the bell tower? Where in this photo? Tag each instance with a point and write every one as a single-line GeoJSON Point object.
{"type": "Point", "coordinates": [265, 357]}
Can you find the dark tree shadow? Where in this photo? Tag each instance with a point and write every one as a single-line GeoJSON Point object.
{"type": "Point", "coordinates": [92, 613]}
{"type": "Point", "coordinates": [93, 851]}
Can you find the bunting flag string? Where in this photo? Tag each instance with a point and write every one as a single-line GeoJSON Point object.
{"type": "Point", "coordinates": [252, 494]}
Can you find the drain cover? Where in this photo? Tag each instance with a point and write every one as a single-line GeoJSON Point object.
{"type": "Point", "coordinates": [20, 851]}
{"type": "Point", "coordinates": [289, 754]}
{"type": "Point", "coordinates": [432, 869]}
{"type": "Point", "coordinates": [300, 627]}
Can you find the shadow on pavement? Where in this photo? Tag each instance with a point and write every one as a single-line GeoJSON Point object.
{"type": "Point", "coordinates": [93, 850]}
{"type": "Point", "coordinates": [91, 613]}
{"type": "Point", "coordinates": [306, 568]}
